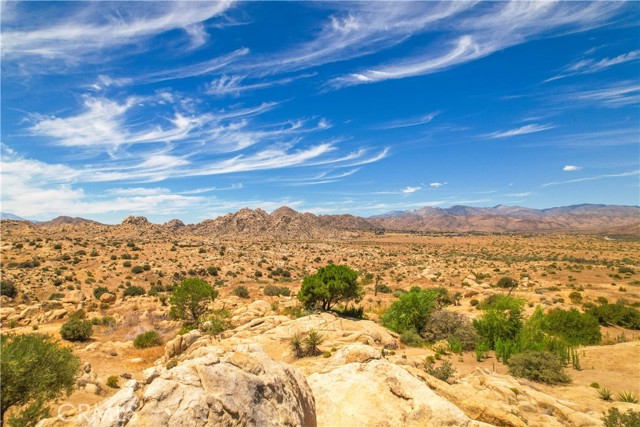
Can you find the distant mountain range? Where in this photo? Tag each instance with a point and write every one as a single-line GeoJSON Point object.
{"type": "Point", "coordinates": [10, 216]}
{"type": "Point", "coordinates": [286, 223]}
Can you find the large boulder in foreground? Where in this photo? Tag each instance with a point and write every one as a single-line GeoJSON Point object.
{"type": "Point", "coordinates": [214, 387]}
{"type": "Point", "coordinates": [374, 392]}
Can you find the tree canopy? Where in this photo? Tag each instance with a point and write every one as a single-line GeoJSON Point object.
{"type": "Point", "coordinates": [190, 299]}
{"type": "Point", "coordinates": [411, 311]}
{"type": "Point", "coordinates": [330, 285]}
{"type": "Point", "coordinates": [35, 369]}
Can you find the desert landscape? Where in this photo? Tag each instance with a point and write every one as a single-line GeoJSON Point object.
{"type": "Point", "coordinates": [121, 278]}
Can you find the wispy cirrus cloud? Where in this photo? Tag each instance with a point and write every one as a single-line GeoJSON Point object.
{"type": "Point", "coordinates": [591, 65]}
{"type": "Point", "coordinates": [592, 178]}
{"type": "Point", "coordinates": [411, 122]}
{"type": "Point", "coordinates": [95, 28]}
{"type": "Point", "coordinates": [484, 30]}
{"type": "Point", "coordinates": [234, 85]}
{"type": "Point", "coordinates": [615, 95]}
{"type": "Point", "coordinates": [522, 130]}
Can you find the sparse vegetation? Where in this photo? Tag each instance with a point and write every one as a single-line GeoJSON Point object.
{"type": "Point", "coordinates": [541, 366]}
{"type": "Point", "coordinates": [147, 339]}
{"type": "Point", "coordinates": [76, 330]}
{"type": "Point", "coordinates": [35, 370]}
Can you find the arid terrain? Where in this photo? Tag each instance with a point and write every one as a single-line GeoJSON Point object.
{"type": "Point", "coordinates": [366, 375]}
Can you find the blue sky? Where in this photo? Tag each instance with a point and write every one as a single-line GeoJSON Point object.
{"type": "Point", "coordinates": [195, 109]}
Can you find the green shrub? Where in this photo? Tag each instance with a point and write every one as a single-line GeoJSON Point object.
{"type": "Point", "coordinates": [450, 326]}
{"type": "Point", "coordinates": [626, 270]}
{"type": "Point", "coordinates": [329, 286]}
{"type": "Point", "coordinates": [411, 311]}
{"type": "Point", "coordinates": [147, 339]}
{"type": "Point", "coordinates": [384, 289]}
{"type": "Point", "coordinates": [112, 381]}
{"type": "Point", "coordinates": [541, 366]}
{"type": "Point", "coordinates": [353, 312]}
{"type": "Point", "coordinates": [99, 291]}
{"type": "Point", "coordinates": [216, 322]}
{"type": "Point", "coordinates": [616, 314]}
{"type": "Point", "coordinates": [36, 369]}
{"type": "Point", "coordinates": [133, 291]}
{"type": "Point", "coordinates": [615, 418]}
{"type": "Point", "coordinates": [137, 269]}
{"type": "Point", "coordinates": [241, 292]}
{"type": "Point", "coordinates": [56, 296]}
{"type": "Point", "coordinates": [272, 290]}
{"type": "Point", "coordinates": [76, 330]}
{"type": "Point", "coordinates": [574, 327]}
{"type": "Point", "coordinates": [190, 299]}
{"type": "Point", "coordinates": [126, 264]}
{"type": "Point", "coordinates": [8, 289]}
{"type": "Point", "coordinates": [496, 324]}
{"type": "Point", "coordinates": [412, 339]}
{"type": "Point", "coordinates": [443, 372]}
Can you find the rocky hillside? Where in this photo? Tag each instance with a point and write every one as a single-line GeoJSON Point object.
{"type": "Point", "coordinates": [578, 218]}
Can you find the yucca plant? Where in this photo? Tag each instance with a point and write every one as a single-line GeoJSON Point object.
{"type": "Point", "coordinates": [295, 344]}
{"type": "Point", "coordinates": [312, 341]}
{"type": "Point", "coordinates": [605, 393]}
{"type": "Point", "coordinates": [627, 396]}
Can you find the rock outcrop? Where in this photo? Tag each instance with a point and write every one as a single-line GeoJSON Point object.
{"type": "Point", "coordinates": [371, 391]}
{"type": "Point", "coordinates": [209, 387]}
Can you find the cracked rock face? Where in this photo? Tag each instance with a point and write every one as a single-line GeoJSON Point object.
{"type": "Point", "coordinates": [373, 392]}
{"type": "Point", "coordinates": [241, 387]}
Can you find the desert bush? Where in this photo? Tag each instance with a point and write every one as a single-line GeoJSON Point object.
{"type": "Point", "coordinates": [541, 366]}
{"type": "Point", "coordinates": [56, 296]}
{"type": "Point", "coordinates": [626, 270]}
{"type": "Point", "coordinates": [351, 311]}
{"type": "Point", "coordinates": [133, 291]}
{"type": "Point", "coordinates": [330, 285]}
{"type": "Point", "coordinates": [616, 314]}
{"type": "Point", "coordinates": [384, 289]}
{"type": "Point", "coordinates": [507, 283]}
{"type": "Point", "coordinates": [411, 311]}
{"type": "Point", "coordinates": [412, 338]}
{"type": "Point", "coordinates": [216, 322]}
{"type": "Point", "coordinates": [495, 325]}
{"type": "Point", "coordinates": [272, 290]}
{"type": "Point", "coordinates": [190, 299]}
{"type": "Point", "coordinates": [112, 381]}
{"type": "Point", "coordinates": [574, 327]}
{"type": "Point", "coordinates": [99, 291]}
{"type": "Point", "coordinates": [615, 418]}
{"type": "Point", "coordinates": [8, 289]}
{"type": "Point", "coordinates": [76, 330]}
{"type": "Point", "coordinates": [443, 372]}
{"type": "Point", "coordinates": [450, 326]}
{"type": "Point", "coordinates": [137, 269]}
{"type": "Point", "coordinates": [605, 393]}
{"type": "Point", "coordinates": [147, 339]}
{"type": "Point", "coordinates": [35, 370]}
{"type": "Point", "coordinates": [241, 292]}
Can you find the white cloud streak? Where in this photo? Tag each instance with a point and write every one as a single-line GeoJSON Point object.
{"type": "Point", "coordinates": [522, 130]}
{"type": "Point", "coordinates": [571, 168]}
{"type": "Point", "coordinates": [590, 65]}
{"type": "Point", "coordinates": [489, 28]}
{"type": "Point", "coordinates": [409, 190]}
{"type": "Point", "coordinates": [593, 178]}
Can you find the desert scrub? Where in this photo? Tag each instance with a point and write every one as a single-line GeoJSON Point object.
{"type": "Point", "coordinates": [147, 339]}
{"type": "Point", "coordinates": [133, 291]}
{"type": "Point", "coordinates": [605, 393]}
{"type": "Point", "coordinates": [241, 292]}
{"type": "Point", "coordinates": [411, 311]}
{"type": "Point", "coordinates": [615, 418]}
{"type": "Point", "coordinates": [443, 372]}
{"type": "Point", "coordinates": [311, 343]}
{"type": "Point", "coordinates": [627, 396]}
{"type": "Point", "coordinates": [295, 344]}
{"type": "Point", "coordinates": [112, 381]}
{"type": "Point", "coordinates": [450, 326]}
{"type": "Point", "coordinates": [76, 330]}
{"type": "Point", "coordinates": [541, 366]}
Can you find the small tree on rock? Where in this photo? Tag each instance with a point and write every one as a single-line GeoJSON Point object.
{"type": "Point", "coordinates": [190, 299]}
{"type": "Point", "coordinates": [331, 285]}
{"type": "Point", "coordinates": [35, 370]}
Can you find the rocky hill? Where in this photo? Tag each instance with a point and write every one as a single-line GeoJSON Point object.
{"type": "Point", "coordinates": [67, 220]}
{"type": "Point", "coordinates": [577, 218]}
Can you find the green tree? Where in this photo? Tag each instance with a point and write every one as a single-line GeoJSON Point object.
{"type": "Point", "coordinates": [331, 285]}
{"type": "Point", "coordinates": [411, 311]}
{"type": "Point", "coordinates": [507, 283]}
{"type": "Point", "coordinates": [502, 320]}
{"type": "Point", "coordinates": [574, 327]}
{"type": "Point", "coordinates": [190, 299]}
{"type": "Point", "coordinates": [35, 369]}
